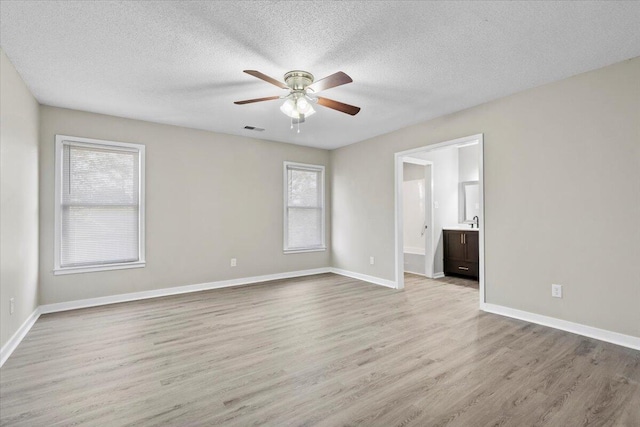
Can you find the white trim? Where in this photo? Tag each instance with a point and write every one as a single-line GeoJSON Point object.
{"type": "Point", "coordinates": [299, 251]}
{"type": "Point", "coordinates": [156, 293]}
{"type": "Point", "coordinates": [399, 158]}
{"type": "Point", "coordinates": [429, 259]}
{"type": "Point", "coordinates": [92, 142]}
{"type": "Point", "coordinates": [10, 346]}
{"type": "Point", "coordinates": [18, 336]}
{"type": "Point", "coordinates": [57, 200]}
{"type": "Point", "coordinates": [104, 267]}
{"type": "Point", "coordinates": [467, 144]}
{"type": "Point", "coordinates": [177, 290]}
{"type": "Point", "coordinates": [365, 278]}
{"type": "Point", "coordinates": [414, 251]}
{"type": "Point", "coordinates": [417, 274]}
{"type": "Point", "coordinates": [435, 275]}
{"type": "Point", "coordinates": [564, 325]}
{"type": "Point", "coordinates": [60, 141]}
{"type": "Point", "coordinates": [285, 212]}
{"type": "Point", "coordinates": [481, 285]}
{"type": "Point", "coordinates": [415, 161]}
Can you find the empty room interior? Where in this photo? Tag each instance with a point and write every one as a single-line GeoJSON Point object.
{"type": "Point", "coordinates": [320, 213]}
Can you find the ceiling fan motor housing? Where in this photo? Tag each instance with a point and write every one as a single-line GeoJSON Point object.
{"type": "Point", "coordinates": [298, 80]}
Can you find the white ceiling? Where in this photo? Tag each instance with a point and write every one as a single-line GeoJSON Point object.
{"type": "Point", "coordinates": [181, 62]}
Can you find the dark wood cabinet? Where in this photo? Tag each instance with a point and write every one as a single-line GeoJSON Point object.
{"type": "Point", "coordinates": [461, 253]}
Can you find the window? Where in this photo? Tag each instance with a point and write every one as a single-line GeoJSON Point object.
{"type": "Point", "coordinates": [99, 206]}
{"type": "Point", "coordinates": [303, 208]}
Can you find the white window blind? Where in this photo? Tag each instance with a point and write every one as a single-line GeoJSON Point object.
{"type": "Point", "coordinates": [99, 206]}
{"type": "Point", "coordinates": [304, 207]}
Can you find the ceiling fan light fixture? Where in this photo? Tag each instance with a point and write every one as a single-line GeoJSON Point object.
{"type": "Point", "coordinates": [310, 111]}
{"type": "Point", "coordinates": [302, 105]}
{"type": "Point", "coordinates": [289, 108]}
{"type": "Point", "coordinates": [296, 107]}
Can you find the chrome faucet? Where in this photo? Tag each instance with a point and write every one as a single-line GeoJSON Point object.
{"type": "Point", "coordinates": [476, 221]}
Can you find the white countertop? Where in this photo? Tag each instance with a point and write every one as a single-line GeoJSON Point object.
{"type": "Point", "coordinates": [460, 228]}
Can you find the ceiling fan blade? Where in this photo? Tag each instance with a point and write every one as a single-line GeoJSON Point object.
{"type": "Point", "coordinates": [249, 101]}
{"type": "Point", "coordinates": [336, 79]}
{"type": "Point", "coordinates": [340, 106]}
{"type": "Point", "coordinates": [266, 78]}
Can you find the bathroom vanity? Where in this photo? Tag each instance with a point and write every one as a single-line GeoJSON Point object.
{"type": "Point", "coordinates": [461, 252]}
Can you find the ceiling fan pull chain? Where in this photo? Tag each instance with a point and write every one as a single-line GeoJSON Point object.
{"type": "Point", "coordinates": [291, 123]}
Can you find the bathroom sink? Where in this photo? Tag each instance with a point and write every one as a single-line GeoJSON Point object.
{"type": "Point", "coordinates": [460, 228]}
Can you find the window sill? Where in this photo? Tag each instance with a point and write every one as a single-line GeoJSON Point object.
{"type": "Point", "coordinates": [94, 268]}
{"type": "Point", "coordinates": [298, 251]}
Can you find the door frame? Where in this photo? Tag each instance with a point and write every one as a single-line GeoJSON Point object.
{"type": "Point", "coordinates": [429, 234]}
{"type": "Point", "coordinates": [399, 175]}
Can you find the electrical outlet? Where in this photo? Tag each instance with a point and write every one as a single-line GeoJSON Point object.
{"type": "Point", "coordinates": [234, 262]}
{"type": "Point", "coordinates": [12, 305]}
{"type": "Point", "coordinates": [556, 291]}
{"type": "Point", "coordinates": [372, 260]}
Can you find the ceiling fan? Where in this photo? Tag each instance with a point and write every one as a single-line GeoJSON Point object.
{"type": "Point", "coordinates": [302, 93]}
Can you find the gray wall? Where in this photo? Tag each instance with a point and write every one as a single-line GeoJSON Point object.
{"type": "Point", "coordinates": [562, 196]}
{"type": "Point", "coordinates": [209, 197]}
{"type": "Point", "coordinates": [468, 164]}
{"type": "Point", "coordinates": [18, 200]}
{"type": "Point", "coordinates": [445, 198]}
{"type": "Point", "coordinates": [413, 212]}
{"type": "Point", "coordinates": [412, 172]}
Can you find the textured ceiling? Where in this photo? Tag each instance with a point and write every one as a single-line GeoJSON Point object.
{"type": "Point", "coordinates": [181, 62]}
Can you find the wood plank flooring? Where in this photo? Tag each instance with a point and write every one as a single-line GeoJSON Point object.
{"type": "Point", "coordinates": [322, 350]}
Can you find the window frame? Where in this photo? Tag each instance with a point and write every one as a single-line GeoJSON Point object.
{"type": "Point", "coordinates": [314, 168]}
{"type": "Point", "coordinates": [60, 142]}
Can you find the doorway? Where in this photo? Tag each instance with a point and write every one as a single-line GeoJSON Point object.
{"type": "Point", "coordinates": [444, 205]}
{"type": "Point", "coordinates": [417, 208]}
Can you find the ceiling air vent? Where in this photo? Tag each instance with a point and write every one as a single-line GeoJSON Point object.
{"type": "Point", "coordinates": [254, 128]}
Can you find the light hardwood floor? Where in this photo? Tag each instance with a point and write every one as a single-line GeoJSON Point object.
{"type": "Point", "coordinates": [321, 350]}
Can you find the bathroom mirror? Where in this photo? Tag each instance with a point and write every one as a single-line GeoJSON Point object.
{"type": "Point", "coordinates": [469, 201]}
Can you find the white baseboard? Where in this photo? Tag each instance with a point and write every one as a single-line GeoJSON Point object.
{"type": "Point", "coordinates": [576, 328]}
{"type": "Point", "coordinates": [564, 325]}
{"type": "Point", "coordinates": [13, 342]}
{"type": "Point", "coordinates": [156, 293]}
{"type": "Point", "coordinates": [435, 275]}
{"type": "Point", "coordinates": [417, 274]}
{"type": "Point", "coordinates": [365, 278]}
{"type": "Point", "coordinates": [18, 336]}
